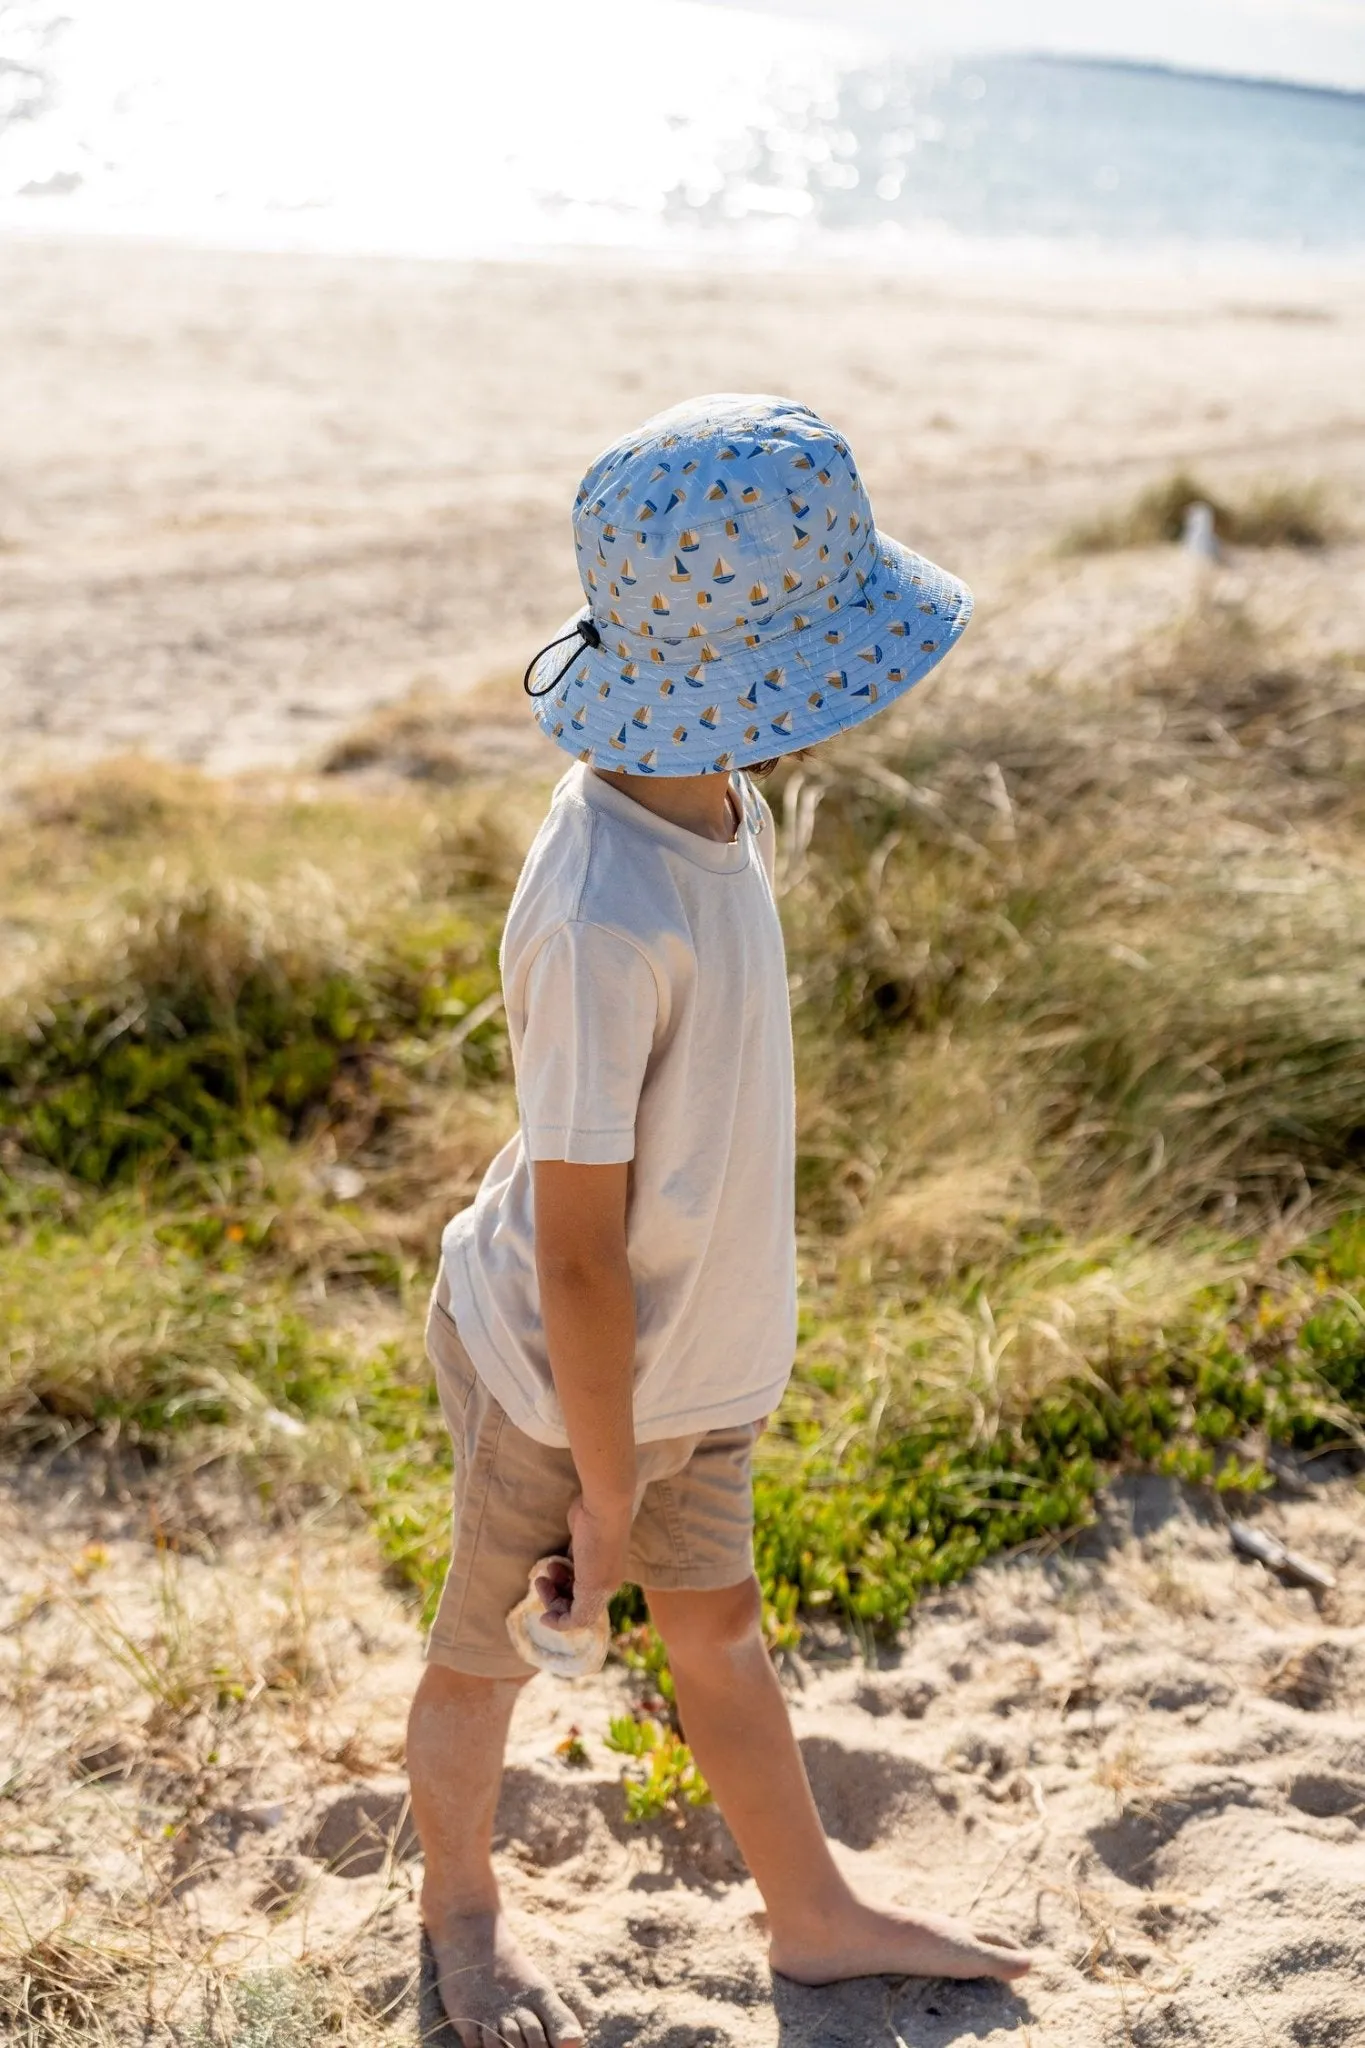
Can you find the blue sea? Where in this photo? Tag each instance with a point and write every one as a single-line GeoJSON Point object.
{"type": "Point", "coordinates": [431, 127]}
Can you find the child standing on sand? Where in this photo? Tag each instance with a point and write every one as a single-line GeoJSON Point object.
{"type": "Point", "coordinates": [615, 1315]}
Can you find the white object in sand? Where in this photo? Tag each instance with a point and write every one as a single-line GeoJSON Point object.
{"type": "Point", "coordinates": [568, 1652]}
{"type": "Point", "coordinates": [1199, 537]}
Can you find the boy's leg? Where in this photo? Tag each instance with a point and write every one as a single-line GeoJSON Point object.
{"type": "Point", "coordinates": [457, 1730]}
{"type": "Point", "coordinates": [735, 1719]}
{"type": "Point", "coordinates": [511, 1500]}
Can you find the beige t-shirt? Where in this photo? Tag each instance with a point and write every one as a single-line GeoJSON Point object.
{"type": "Point", "coordinates": [646, 990]}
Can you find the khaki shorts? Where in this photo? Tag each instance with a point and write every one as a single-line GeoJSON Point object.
{"type": "Point", "coordinates": [693, 1527]}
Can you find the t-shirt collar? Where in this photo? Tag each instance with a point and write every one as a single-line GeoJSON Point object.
{"type": "Point", "coordinates": [723, 858]}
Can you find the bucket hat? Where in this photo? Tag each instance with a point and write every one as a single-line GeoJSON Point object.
{"type": "Point", "coordinates": [740, 602]}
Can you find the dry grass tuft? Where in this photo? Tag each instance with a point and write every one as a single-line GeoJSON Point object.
{"type": "Point", "coordinates": [445, 739]}
{"type": "Point", "coordinates": [123, 798]}
{"type": "Point", "coordinates": [1272, 514]}
{"type": "Point", "coordinates": [418, 738]}
{"type": "Point", "coordinates": [1068, 965]}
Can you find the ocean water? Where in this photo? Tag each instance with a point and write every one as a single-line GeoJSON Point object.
{"type": "Point", "coordinates": [435, 127]}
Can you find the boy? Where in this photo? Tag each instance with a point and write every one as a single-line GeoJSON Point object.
{"type": "Point", "coordinates": [615, 1315]}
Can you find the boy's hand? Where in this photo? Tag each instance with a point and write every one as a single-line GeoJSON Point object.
{"type": "Point", "coordinates": [600, 1539]}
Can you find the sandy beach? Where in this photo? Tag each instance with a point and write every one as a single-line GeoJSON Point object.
{"type": "Point", "coordinates": [246, 498]}
{"type": "Point", "coordinates": [1145, 1757]}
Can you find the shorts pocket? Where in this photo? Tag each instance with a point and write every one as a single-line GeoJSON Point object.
{"type": "Point", "coordinates": [456, 1376]}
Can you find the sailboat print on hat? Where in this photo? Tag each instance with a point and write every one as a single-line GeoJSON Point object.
{"type": "Point", "coordinates": [679, 573]}
{"type": "Point", "coordinates": [783, 722]}
{"type": "Point", "coordinates": [758, 593]}
{"type": "Point", "coordinates": [775, 679]}
{"type": "Point", "coordinates": [645, 764]}
{"type": "Point", "coordinates": [641, 717]}
{"type": "Point", "coordinates": [618, 740]}
{"type": "Point", "coordinates": [625, 572]}
{"type": "Point", "coordinates": [689, 540]}
{"type": "Point", "coordinates": [722, 573]}
{"type": "Point", "coordinates": [710, 717]}
{"type": "Point", "coordinates": [659, 603]}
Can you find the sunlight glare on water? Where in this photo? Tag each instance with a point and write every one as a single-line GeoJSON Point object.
{"type": "Point", "coordinates": [430, 127]}
{"type": "Point", "coordinates": [412, 126]}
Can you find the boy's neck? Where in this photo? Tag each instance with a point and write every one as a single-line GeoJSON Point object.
{"type": "Point", "coordinates": [699, 803]}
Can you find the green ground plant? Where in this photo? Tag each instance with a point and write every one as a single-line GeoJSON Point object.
{"type": "Point", "coordinates": [661, 1775]}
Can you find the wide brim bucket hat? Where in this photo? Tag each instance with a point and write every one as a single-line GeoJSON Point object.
{"type": "Point", "coordinates": [740, 602]}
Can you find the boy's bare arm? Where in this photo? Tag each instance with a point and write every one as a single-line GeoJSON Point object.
{"type": "Point", "coordinates": [587, 1301]}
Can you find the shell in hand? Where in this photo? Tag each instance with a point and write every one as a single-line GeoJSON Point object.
{"type": "Point", "coordinates": [568, 1652]}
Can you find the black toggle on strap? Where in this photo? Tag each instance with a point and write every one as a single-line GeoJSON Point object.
{"type": "Point", "coordinates": [586, 634]}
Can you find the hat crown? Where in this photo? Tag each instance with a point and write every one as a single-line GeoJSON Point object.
{"type": "Point", "coordinates": [720, 517]}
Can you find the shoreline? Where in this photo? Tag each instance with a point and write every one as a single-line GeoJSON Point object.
{"type": "Point", "coordinates": [883, 254]}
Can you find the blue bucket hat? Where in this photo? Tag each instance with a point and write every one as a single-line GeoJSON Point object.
{"type": "Point", "coordinates": [740, 601]}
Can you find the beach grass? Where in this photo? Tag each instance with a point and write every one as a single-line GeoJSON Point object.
{"type": "Point", "coordinates": [1081, 1068]}
{"type": "Point", "coordinates": [1266, 515]}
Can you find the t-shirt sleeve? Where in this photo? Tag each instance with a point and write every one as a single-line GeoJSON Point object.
{"type": "Point", "coordinates": [591, 1009]}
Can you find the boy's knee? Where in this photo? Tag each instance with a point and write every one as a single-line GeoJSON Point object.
{"type": "Point", "coordinates": [697, 1627]}
{"type": "Point", "coordinates": [445, 1695]}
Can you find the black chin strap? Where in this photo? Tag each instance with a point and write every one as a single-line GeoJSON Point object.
{"type": "Point", "coordinates": [585, 633]}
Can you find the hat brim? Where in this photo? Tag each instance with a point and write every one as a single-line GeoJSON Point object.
{"type": "Point", "coordinates": [642, 714]}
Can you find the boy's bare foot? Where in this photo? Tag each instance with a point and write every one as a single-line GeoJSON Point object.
{"type": "Point", "coordinates": [493, 1994]}
{"type": "Point", "coordinates": [855, 1940]}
